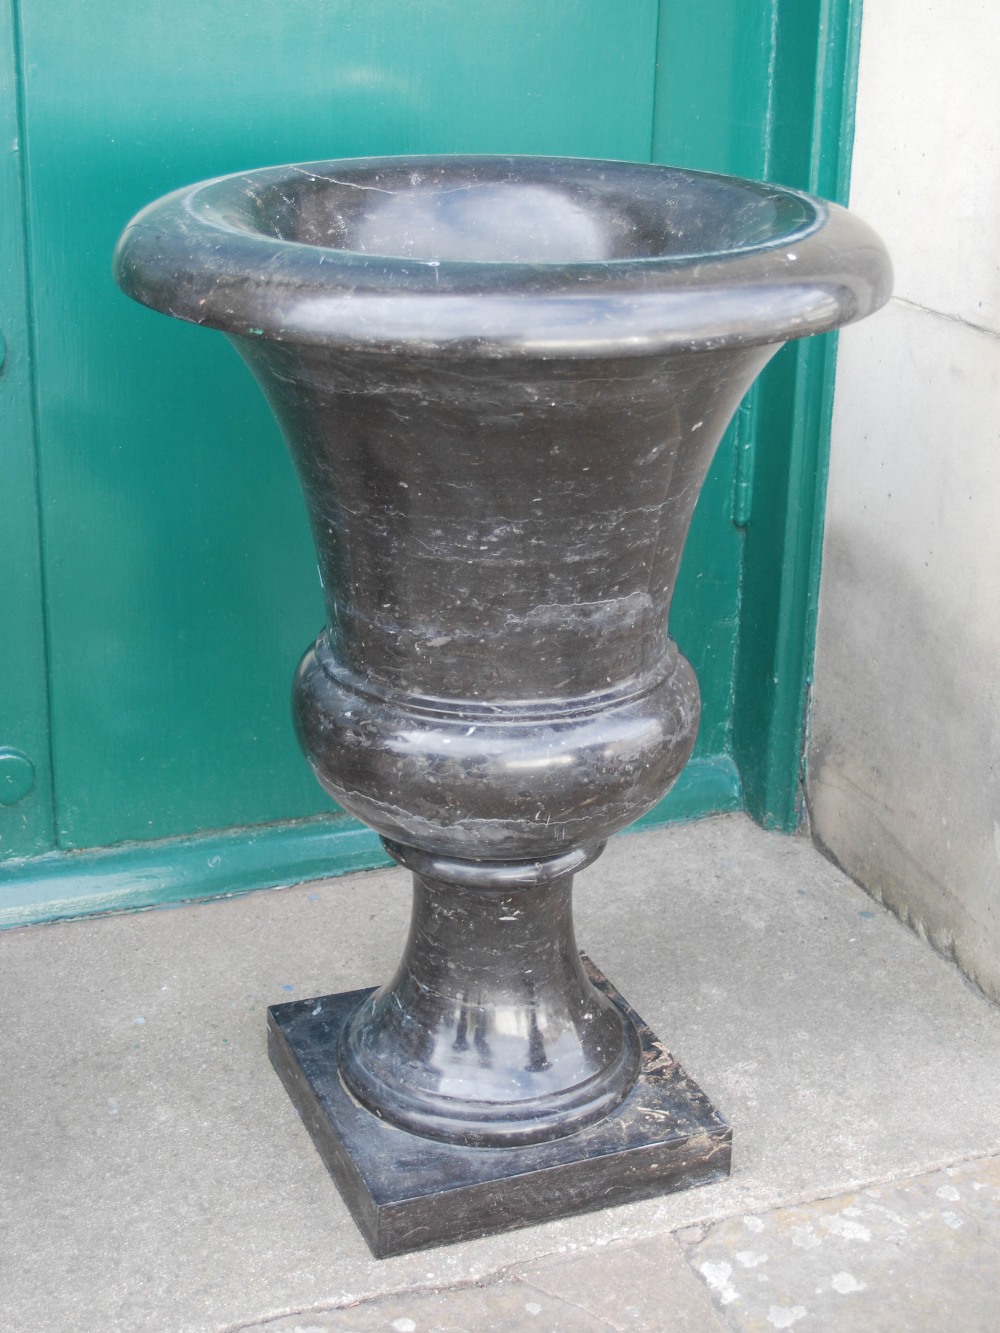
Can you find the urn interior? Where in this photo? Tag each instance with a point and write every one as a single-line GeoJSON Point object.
{"type": "Point", "coordinates": [489, 213]}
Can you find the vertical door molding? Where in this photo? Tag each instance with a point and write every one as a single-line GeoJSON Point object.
{"type": "Point", "coordinates": [26, 806]}
{"type": "Point", "coordinates": [768, 91]}
{"type": "Point", "coordinates": [810, 125]}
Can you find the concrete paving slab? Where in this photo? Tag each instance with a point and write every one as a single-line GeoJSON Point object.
{"type": "Point", "coordinates": [510, 1306]}
{"type": "Point", "coordinates": [646, 1287]}
{"type": "Point", "coordinates": [920, 1256]}
{"type": "Point", "coordinates": [917, 1256]}
{"type": "Point", "coordinates": [155, 1177]}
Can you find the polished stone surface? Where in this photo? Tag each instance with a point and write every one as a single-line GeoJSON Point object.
{"type": "Point", "coordinates": [407, 1192]}
{"type": "Point", "coordinates": [502, 381]}
{"type": "Point", "coordinates": [490, 1033]}
{"type": "Point", "coordinates": [428, 252]}
{"type": "Point", "coordinates": [155, 1177]}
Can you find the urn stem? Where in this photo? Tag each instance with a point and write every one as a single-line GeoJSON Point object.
{"type": "Point", "coordinates": [490, 1033]}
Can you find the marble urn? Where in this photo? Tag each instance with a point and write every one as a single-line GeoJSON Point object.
{"type": "Point", "coordinates": [502, 381]}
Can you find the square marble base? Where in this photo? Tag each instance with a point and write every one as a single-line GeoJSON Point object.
{"type": "Point", "coordinates": [406, 1192]}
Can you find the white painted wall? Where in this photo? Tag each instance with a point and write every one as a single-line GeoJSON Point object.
{"type": "Point", "coordinates": [904, 756]}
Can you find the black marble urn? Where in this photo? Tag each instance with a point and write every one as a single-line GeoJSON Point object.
{"type": "Point", "coordinates": [502, 381]}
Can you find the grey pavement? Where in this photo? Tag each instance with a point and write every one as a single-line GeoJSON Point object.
{"type": "Point", "coordinates": [923, 1253]}
{"type": "Point", "coordinates": [155, 1178]}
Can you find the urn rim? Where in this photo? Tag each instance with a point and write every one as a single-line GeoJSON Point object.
{"type": "Point", "coordinates": [502, 256]}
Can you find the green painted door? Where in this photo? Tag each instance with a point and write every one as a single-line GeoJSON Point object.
{"type": "Point", "coordinates": [157, 569]}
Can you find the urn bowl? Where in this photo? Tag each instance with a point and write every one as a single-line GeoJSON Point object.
{"type": "Point", "coordinates": [502, 381]}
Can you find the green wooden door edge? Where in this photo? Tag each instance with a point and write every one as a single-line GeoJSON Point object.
{"type": "Point", "coordinates": [26, 806]}
{"type": "Point", "coordinates": [812, 101]}
{"type": "Point", "coordinates": [791, 120]}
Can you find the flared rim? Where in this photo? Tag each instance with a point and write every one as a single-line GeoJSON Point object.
{"type": "Point", "coordinates": [660, 258]}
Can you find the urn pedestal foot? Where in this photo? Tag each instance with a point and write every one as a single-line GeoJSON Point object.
{"type": "Point", "coordinates": [408, 1192]}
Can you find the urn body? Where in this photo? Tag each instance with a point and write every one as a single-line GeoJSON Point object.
{"type": "Point", "coordinates": [498, 542]}
{"type": "Point", "coordinates": [502, 381]}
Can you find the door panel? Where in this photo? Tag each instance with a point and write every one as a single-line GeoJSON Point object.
{"type": "Point", "coordinates": [181, 585]}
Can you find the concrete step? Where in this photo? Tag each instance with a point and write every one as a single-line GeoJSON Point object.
{"type": "Point", "coordinates": [155, 1178]}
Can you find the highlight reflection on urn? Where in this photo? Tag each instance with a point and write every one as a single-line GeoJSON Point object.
{"type": "Point", "coordinates": [502, 381]}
